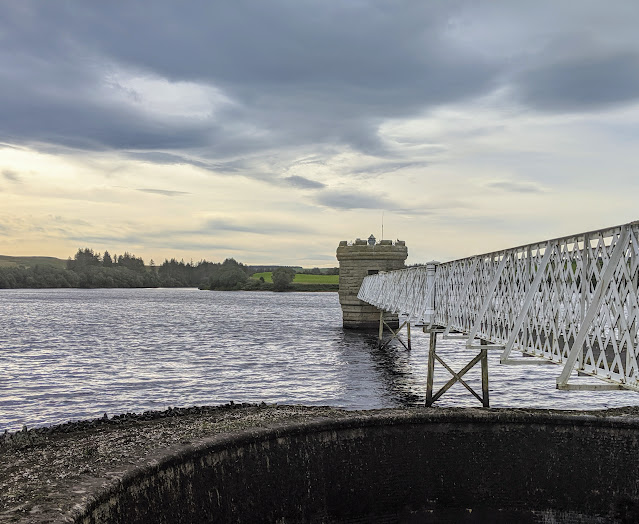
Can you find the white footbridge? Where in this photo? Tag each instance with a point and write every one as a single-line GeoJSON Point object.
{"type": "Point", "coordinates": [571, 301]}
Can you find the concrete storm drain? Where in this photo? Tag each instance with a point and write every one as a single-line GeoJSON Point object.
{"type": "Point", "coordinates": [421, 465]}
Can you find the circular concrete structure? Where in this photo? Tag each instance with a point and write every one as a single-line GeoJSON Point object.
{"type": "Point", "coordinates": [418, 466]}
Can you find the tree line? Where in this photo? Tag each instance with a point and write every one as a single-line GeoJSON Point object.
{"type": "Point", "coordinates": [90, 269]}
{"type": "Point", "coordinates": [233, 275]}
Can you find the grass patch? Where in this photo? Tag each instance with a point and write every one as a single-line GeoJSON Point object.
{"type": "Point", "coordinates": [301, 279]}
{"type": "Point", "coordinates": [267, 276]}
{"type": "Point", "coordinates": [7, 261]}
{"type": "Point", "coordinates": [316, 279]}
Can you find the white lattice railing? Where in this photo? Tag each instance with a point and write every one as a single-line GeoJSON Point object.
{"type": "Point", "coordinates": [570, 300]}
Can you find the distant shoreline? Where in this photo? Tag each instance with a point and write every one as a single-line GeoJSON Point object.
{"type": "Point", "coordinates": [253, 285]}
{"type": "Point", "coordinates": [88, 271]}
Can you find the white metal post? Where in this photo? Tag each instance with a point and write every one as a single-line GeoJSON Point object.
{"type": "Point", "coordinates": [431, 270]}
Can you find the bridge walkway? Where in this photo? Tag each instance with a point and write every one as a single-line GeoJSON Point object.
{"type": "Point", "coordinates": [571, 301]}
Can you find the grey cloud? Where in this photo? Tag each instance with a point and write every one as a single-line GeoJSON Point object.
{"type": "Point", "coordinates": [352, 200]}
{"type": "Point", "coordinates": [181, 244]}
{"type": "Point", "coordinates": [10, 175]}
{"type": "Point", "coordinates": [317, 75]}
{"type": "Point", "coordinates": [351, 65]}
{"type": "Point", "coordinates": [413, 211]}
{"type": "Point", "coordinates": [296, 181]}
{"type": "Point", "coordinates": [303, 183]}
{"type": "Point", "coordinates": [311, 160]}
{"type": "Point", "coordinates": [69, 221]}
{"type": "Point", "coordinates": [515, 187]}
{"type": "Point", "coordinates": [163, 192]}
{"type": "Point", "coordinates": [152, 241]}
{"type": "Point", "coordinates": [4, 145]}
{"type": "Point", "coordinates": [217, 225]}
{"type": "Point", "coordinates": [239, 167]}
{"type": "Point", "coordinates": [386, 168]}
{"type": "Point", "coordinates": [193, 238]}
{"type": "Point", "coordinates": [266, 177]}
{"type": "Point", "coordinates": [582, 83]}
{"type": "Point", "coordinates": [161, 157]}
{"type": "Point", "coordinates": [127, 239]}
{"type": "Point", "coordinates": [344, 200]}
{"type": "Point", "coordinates": [168, 159]}
{"type": "Point", "coordinates": [361, 200]}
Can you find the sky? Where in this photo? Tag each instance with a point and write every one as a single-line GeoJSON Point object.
{"type": "Point", "coordinates": [269, 131]}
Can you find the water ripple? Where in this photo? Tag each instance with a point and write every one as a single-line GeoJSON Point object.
{"type": "Point", "coordinates": [75, 354]}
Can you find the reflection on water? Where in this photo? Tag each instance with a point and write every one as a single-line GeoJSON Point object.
{"type": "Point", "coordinates": [393, 365]}
{"type": "Point", "coordinates": [73, 354]}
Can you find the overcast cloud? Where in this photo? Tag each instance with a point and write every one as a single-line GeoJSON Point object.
{"type": "Point", "coordinates": [304, 121]}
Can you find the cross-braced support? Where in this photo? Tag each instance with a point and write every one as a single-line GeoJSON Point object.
{"type": "Point", "coordinates": [481, 357]}
{"type": "Point", "coordinates": [394, 333]}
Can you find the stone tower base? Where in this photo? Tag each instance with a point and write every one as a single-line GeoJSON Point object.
{"type": "Point", "coordinates": [357, 261]}
{"type": "Point", "coordinates": [365, 317]}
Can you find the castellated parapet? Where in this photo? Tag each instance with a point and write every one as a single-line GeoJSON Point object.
{"type": "Point", "coordinates": [357, 260]}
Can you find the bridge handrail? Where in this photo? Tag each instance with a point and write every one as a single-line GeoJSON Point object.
{"type": "Point", "coordinates": [571, 300]}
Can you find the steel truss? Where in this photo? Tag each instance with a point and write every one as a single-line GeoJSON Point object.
{"type": "Point", "coordinates": [570, 301]}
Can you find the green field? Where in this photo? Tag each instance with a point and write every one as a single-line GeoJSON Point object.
{"type": "Point", "coordinates": [302, 279]}
{"type": "Point", "coordinates": [7, 261]}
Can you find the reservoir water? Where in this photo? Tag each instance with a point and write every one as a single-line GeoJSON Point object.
{"type": "Point", "coordinates": [70, 354]}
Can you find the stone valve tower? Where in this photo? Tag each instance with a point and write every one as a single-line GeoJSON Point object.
{"type": "Point", "coordinates": [357, 260]}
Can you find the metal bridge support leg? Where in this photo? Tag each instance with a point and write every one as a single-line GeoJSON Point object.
{"type": "Point", "coordinates": [481, 358]}
{"type": "Point", "coordinates": [381, 343]}
{"type": "Point", "coordinates": [484, 374]}
{"type": "Point", "coordinates": [431, 368]}
{"type": "Point", "coordinates": [408, 333]}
